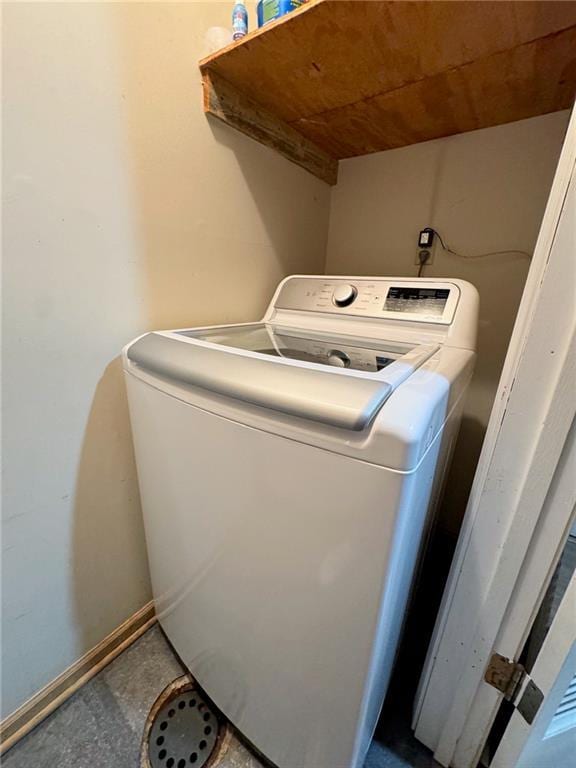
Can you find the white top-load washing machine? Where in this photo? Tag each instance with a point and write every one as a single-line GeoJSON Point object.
{"type": "Point", "coordinates": [288, 471]}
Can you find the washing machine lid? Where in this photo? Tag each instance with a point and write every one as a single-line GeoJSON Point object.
{"type": "Point", "coordinates": [338, 380]}
{"type": "Point", "coordinates": [332, 350]}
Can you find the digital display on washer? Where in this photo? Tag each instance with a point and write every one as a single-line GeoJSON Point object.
{"type": "Point", "coordinates": [423, 301]}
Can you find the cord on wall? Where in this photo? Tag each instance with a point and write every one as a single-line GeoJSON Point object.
{"type": "Point", "coordinates": [423, 258]}
{"type": "Point", "coordinates": [477, 255]}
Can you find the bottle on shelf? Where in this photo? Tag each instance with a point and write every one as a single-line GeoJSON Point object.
{"type": "Point", "coordinates": [269, 10]}
{"type": "Point", "coordinates": [239, 20]}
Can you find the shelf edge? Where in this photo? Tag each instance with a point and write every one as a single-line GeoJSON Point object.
{"type": "Point", "coordinates": [224, 102]}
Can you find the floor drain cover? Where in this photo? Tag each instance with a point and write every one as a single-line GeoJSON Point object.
{"type": "Point", "coordinates": [184, 732]}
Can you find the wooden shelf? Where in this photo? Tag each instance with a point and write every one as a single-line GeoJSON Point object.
{"type": "Point", "coordinates": [341, 78]}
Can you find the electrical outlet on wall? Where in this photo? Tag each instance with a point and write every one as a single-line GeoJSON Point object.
{"type": "Point", "coordinates": [429, 260]}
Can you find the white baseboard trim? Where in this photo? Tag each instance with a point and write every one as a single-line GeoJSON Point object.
{"type": "Point", "coordinates": [43, 703]}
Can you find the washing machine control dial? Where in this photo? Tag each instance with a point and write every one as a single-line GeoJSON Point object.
{"type": "Point", "coordinates": [344, 295]}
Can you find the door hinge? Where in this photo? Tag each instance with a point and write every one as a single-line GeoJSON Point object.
{"type": "Point", "coordinates": [515, 683]}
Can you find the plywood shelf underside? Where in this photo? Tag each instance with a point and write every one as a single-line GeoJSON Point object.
{"type": "Point", "coordinates": [339, 79]}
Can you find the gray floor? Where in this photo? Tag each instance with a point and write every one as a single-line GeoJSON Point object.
{"type": "Point", "coordinates": [101, 725]}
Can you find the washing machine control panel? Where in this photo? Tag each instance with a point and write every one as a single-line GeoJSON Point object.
{"type": "Point", "coordinates": [414, 300]}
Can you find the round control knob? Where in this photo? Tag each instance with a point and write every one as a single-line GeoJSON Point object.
{"type": "Point", "coordinates": [339, 359]}
{"type": "Point", "coordinates": [344, 295]}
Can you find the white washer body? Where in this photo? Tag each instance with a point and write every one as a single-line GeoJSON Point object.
{"type": "Point", "coordinates": [284, 531]}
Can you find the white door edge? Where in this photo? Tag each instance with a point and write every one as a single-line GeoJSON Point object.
{"type": "Point", "coordinates": [488, 560]}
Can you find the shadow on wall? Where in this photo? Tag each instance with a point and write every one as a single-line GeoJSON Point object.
{"type": "Point", "coordinates": [222, 219]}
{"type": "Point", "coordinates": [107, 532]}
{"type": "Point", "coordinates": [266, 176]}
{"type": "Point", "coordinates": [461, 474]}
{"type": "Point", "coordinates": [219, 220]}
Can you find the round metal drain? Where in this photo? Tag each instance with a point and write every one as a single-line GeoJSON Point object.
{"type": "Point", "coordinates": [184, 732]}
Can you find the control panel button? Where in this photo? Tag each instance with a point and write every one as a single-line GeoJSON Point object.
{"type": "Point", "coordinates": [338, 359]}
{"type": "Point", "coordinates": [344, 295]}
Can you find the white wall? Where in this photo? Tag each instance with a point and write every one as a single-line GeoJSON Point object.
{"type": "Point", "coordinates": [125, 209]}
{"type": "Point", "coordinates": [483, 191]}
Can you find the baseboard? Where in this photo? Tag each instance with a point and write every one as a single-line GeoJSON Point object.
{"type": "Point", "coordinates": [32, 712]}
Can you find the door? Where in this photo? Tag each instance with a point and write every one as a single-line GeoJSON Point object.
{"type": "Point", "coordinates": [520, 506]}
{"type": "Point", "coordinates": [551, 738]}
